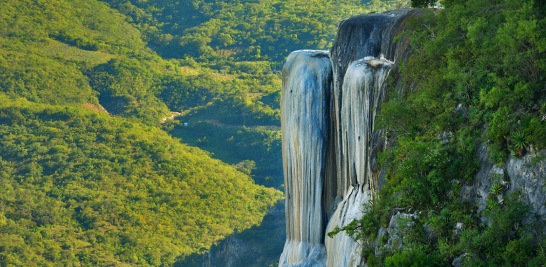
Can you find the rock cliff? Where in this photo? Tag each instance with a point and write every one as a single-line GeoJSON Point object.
{"type": "Point", "coordinates": [363, 90]}
{"type": "Point", "coordinates": [364, 36]}
{"type": "Point", "coordinates": [330, 102]}
{"type": "Point", "coordinates": [329, 105]}
{"type": "Point", "coordinates": [517, 174]}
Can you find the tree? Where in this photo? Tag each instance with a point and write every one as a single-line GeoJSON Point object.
{"type": "Point", "coordinates": [422, 3]}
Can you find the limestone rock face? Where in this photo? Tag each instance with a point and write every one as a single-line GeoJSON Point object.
{"type": "Point", "coordinates": [363, 91]}
{"type": "Point", "coordinates": [329, 105]}
{"type": "Point", "coordinates": [528, 178]}
{"type": "Point", "coordinates": [342, 250]}
{"type": "Point", "coordinates": [517, 174]}
{"type": "Point", "coordinates": [306, 90]}
{"type": "Point", "coordinates": [360, 70]}
{"type": "Point", "coordinates": [365, 36]}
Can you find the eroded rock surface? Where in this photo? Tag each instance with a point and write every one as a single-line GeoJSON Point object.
{"type": "Point", "coordinates": [342, 250]}
{"type": "Point", "coordinates": [362, 57]}
{"type": "Point", "coordinates": [517, 174]}
{"type": "Point", "coordinates": [363, 90]}
{"type": "Point", "coordinates": [371, 36]}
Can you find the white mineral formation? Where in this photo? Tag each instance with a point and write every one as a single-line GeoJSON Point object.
{"type": "Point", "coordinates": [305, 98]}
{"type": "Point", "coordinates": [330, 145]}
{"type": "Point", "coordinates": [362, 92]}
{"type": "Point", "coordinates": [342, 250]}
{"type": "Point", "coordinates": [329, 106]}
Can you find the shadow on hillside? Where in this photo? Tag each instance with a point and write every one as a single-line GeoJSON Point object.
{"type": "Point", "coordinates": [260, 245]}
{"type": "Point", "coordinates": [234, 145]}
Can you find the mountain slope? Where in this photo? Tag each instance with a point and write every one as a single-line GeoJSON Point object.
{"type": "Point", "coordinates": [79, 187]}
{"type": "Point", "coordinates": [241, 30]}
{"type": "Point", "coordinates": [84, 187]}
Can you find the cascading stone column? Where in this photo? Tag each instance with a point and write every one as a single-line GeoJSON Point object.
{"type": "Point", "coordinates": [329, 105]}
{"type": "Point", "coordinates": [305, 114]}
{"type": "Point", "coordinates": [362, 92]}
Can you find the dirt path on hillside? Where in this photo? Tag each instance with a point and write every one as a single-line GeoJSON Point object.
{"type": "Point", "coordinates": [170, 117]}
{"type": "Point", "coordinates": [217, 123]}
{"type": "Point", "coordinates": [269, 127]}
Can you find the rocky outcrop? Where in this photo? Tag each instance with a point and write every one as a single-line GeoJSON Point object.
{"type": "Point", "coordinates": [257, 246]}
{"type": "Point", "coordinates": [365, 36]}
{"type": "Point", "coordinates": [399, 224]}
{"type": "Point", "coordinates": [229, 252]}
{"type": "Point", "coordinates": [516, 174]}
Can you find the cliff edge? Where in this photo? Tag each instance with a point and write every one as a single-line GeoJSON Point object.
{"type": "Point", "coordinates": [330, 106]}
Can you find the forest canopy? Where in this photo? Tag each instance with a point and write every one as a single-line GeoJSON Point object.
{"type": "Point", "coordinates": [80, 187]}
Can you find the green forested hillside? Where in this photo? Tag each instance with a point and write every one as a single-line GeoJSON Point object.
{"type": "Point", "coordinates": [254, 151]}
{"type": "Point", "coordinates": [80, 187]}
{"type": "Point", "coordinates": [43, 39]}
{"type": "Point", "coordinates": [29, 67]}
{"type": "Point", "coordinates": [224, 31]}
{"type": "Point", "coordinates": [135, 83]}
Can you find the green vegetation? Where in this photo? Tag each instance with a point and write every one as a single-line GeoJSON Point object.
{"type": "Point", "coordinates": [220, 32]}
{"type": "Point", "coordinates": [50, 55]}
{"type": "Point", "coordinates": [496, 189]}
{"type": "Point", "coordinates": [240, 146]}
{"type": "Point", "coordinates": [29, 30]}
{"type": "Point", "coordinates": [520, 140]}
{"type": "Point", "coordinates": [476, 73]}
{"type": "Point", "coordinates": [72, 53]}
{"type": "Point", "coordinates": [214, 50]}
{"type": "Point", "coordinates": [80, 187]}
{"type": "Point", "coordinates": [231, 101]}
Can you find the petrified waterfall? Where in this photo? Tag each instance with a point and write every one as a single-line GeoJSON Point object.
{"type": "Point", "coordinates": [329, 106]}
{"type": "Point", "coordinates": [307, 82]}
{"type": "Point", "coordinates": [363, 90]}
